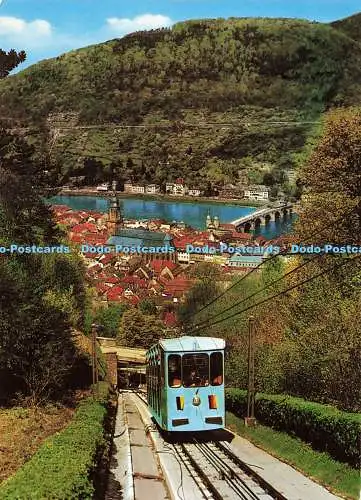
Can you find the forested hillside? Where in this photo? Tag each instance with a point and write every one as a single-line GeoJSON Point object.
{"type": "Point", "coordinates": [247, 74]}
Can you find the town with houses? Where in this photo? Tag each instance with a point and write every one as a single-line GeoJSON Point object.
{"type": "Point", "coordinates": [180, 188]}
{"type": "Point", "coordinates": [165, 278]}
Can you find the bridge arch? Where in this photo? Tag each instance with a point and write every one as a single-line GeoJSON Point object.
{"type": "Point", "coordinates": [247, 226]}
{"type": "Point", "coordinates": [257, 222]}
{"type": "Point", "coordinates": [276, 215]}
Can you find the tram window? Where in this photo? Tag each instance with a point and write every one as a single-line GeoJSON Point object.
{"type": "Point", "coordinates": [195, 370]}
{"type": "Point", "coordinates": [174, 370]}
{"type": "Point", "coordinates": [216, 368]}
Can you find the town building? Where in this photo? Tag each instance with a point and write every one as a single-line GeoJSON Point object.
{"type": "Point", "coordinates": [177, 188]}
{"type": "Point", "coordinates": [231, 191]}
{"type": "Point", "coordinates": [152, 189]}
{"type": "Point", "coordinates": [128, 238]}
{"type": "Point", "coordinates": [194, 192]}
{"type": "Point", "coordinates": [114, 217]}
{"type": "Point", "coordinates": [215, 228]}
{"type": "Point", "coordinates": [257, 193]}
{"type": "Point", "coordinates": [183, 257]}
{"type": "Point", "coordinates": [103, 187]}
{"type": "Point", "coordinates": [244, 261]}
{"type": "Point", "coordinates": [129, 187]}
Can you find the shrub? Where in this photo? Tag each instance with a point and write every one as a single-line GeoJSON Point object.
{"type": "Point", "coordinates": [62, 467]}
{"type": "Point", "coordinates": [326, 428]}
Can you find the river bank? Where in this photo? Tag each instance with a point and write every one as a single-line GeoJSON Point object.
{"type": "Point", "coordinates": [192, 211]}
{"type": "Point", "coordinates": [162, 197]}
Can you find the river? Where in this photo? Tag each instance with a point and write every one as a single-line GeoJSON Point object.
{"type": "Point", "coordinates": [192, 213]}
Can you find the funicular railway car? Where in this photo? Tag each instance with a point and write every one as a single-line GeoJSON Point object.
{"type": "Point", "coordinates": [185, 383]}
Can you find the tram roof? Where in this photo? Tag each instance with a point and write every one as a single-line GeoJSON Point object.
{"type": "Point", "coordinates": [190, 344]}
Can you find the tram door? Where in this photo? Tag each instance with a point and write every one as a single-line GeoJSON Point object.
{"type": "Point", "coordinates": [162, 389]}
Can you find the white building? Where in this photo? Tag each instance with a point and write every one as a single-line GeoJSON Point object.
{"type": "Point", "coordinates": [176, 188]}
{"type": "Point", "coordinates": [152, 189]}
{"type": "Point", "coordinates": [183, 257]}
{"type": "Point", "coordinates": [103, 187]}
{"type": "Point", "coordinates": [258, 193]}
{"type": "Point", "coordinates": [133, 188]}
{"type": "Point", "coordinates": [244, 261]}
{"type": "Point", "coordinates": [194, 192]}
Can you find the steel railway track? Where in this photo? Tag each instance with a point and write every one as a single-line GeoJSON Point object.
{"type": "Point", "coordinates": [218, 473]}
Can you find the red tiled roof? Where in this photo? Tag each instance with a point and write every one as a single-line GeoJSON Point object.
{"type": "Point", "coordinates": [107, 273]}
{"type": "Point", "coordinates": [178, 285]}
{"type": "Point", "coordinates": [94, 239]}
{"type": "Point", "coordinates": [69, 219]}
{"type": "Point", "coordinates": [94, 269]}
{"type": "Point", "coordinates": [134, 300]}
{"type": "Point", "coordinates": [72, 214]}
{"type": "Point", "coordinates": [89, 255]}
{"type": "Point", "coordinates": [112, 279]}
{"type": "Point", "coordinates": [76, 238]}
{"type": "Point", "coordinates": [135, 280]}
{"type": "Point", "coordinates": [242, 236]}
{"type": "Point", "coordinates": [158, 265]}
{"type": "Point", "coordinates": [95, 215]}
{"type": "Point", "coordinates": [114, 293]}
{"type": "Point", "coordinates": [85, 227]}
{"type": "Point", "coordinates": [180, 243]}
{"type": "Point", "coordinates": [106, 258]}
{"type": "Point", "coordinates": [102, 287]}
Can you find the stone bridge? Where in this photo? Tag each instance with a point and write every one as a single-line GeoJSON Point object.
{"type": "Point", "coordinates": [262, 217]}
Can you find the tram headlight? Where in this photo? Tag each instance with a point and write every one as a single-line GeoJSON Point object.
{"type": "Point", "coordinates": [196, 400]}
{"type": "Point", "coordinates": [212, 399]}
{"type": "Point", "coordinates": [180, 402]}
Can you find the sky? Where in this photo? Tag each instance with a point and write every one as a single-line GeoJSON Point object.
{"type": "Point", "coordinates": [47, 28]}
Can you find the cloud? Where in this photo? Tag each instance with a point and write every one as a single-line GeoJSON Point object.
{"type": "Point", "coordinates": [14, 30]}
{"type": "Point", "coordinates": [122, 26]}
{"type": "Point", "coordinates": [40, 39]}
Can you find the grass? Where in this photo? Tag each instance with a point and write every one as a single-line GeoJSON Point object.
{"type": "Point", "coordinates": [22, 431]}
{"type": "Point", "coordinates": [340, 478]}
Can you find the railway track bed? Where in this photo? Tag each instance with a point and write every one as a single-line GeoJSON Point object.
{"type": "Point", "coordinates": [204, 470]}
{"type": "Point", "coordinates": [229, 467]}
{"type": "Point", "coordinates": [219, 472]}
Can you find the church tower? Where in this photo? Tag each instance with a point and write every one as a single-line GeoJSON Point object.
{"type": "Point", "coordinates": [216, 222]}
{"type": "Point", "coordinates": [114, 216]}
{"type": "Point", "coordinates": [208, 221]}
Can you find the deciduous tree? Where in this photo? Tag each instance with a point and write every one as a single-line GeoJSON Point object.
{"type": "Point", "coordinates": [140, 330]}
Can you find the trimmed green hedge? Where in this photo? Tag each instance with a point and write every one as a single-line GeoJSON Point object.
{"type": "Point", "coordinates": [61, 468]}
{"type": "Point", "coordinates": [326, 428]}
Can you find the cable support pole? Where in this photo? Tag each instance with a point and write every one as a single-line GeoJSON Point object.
{"type": "Point", "coordinates": [250, 419]}
{"type": "Point", "coordinates": [95, 372]}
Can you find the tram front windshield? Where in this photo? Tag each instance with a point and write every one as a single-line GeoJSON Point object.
{"type": "Point", "coordinates": [195, 370]}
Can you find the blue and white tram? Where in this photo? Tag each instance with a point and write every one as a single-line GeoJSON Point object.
{"type": "Point", "coordinates": [185, 383]}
